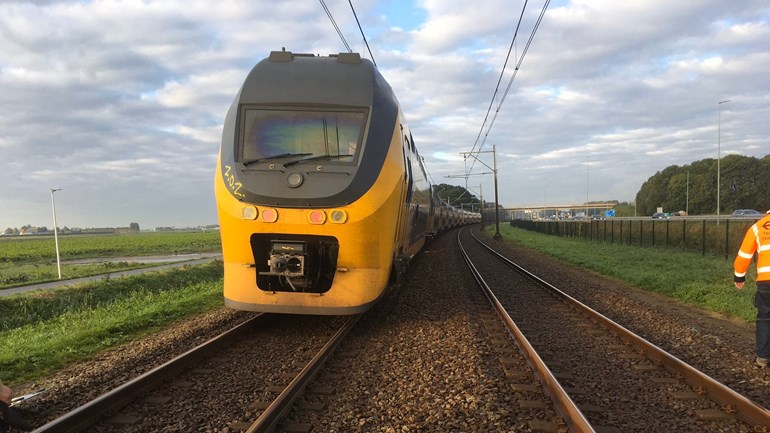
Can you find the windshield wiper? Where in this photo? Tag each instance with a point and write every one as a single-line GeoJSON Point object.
{"type": "Point", "coordinates": [316, 158]}
{"type": "Point", "coordinates": [267, 158]}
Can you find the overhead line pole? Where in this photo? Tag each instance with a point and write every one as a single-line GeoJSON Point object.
{"type": "Point", "coordinates": [494, 171]}
{"type": "Point", "coordinates": [497, 211]}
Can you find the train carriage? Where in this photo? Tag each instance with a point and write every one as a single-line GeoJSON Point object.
{"type": "Point", "coordinates": [321, 193]}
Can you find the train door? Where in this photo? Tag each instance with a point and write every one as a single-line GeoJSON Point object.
{"type": "Point", "coordinates": [403, 228]}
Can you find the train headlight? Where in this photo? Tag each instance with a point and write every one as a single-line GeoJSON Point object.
{"type": "Point", "coordinates": [294, 265]}
{"type": "Point", "coordinates": [269, 215]}
{"type": "Point", "coordinates": [278, 264]}
{"type": "Point", "coordinates": [249, 213]}
{"type": "Point", "coordinates": [338, 216]}
{"type": "Point", "coordinates": [317, 217]}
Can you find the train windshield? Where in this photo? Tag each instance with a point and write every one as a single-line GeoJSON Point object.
{"type": "Point", "coordinates": [309, 134]}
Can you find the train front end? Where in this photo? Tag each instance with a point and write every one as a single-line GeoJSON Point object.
{"type": "Point", "coordinates": [308, 186]}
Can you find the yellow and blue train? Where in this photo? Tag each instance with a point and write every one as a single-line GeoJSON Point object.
{"type": "Point", "coordinates": [321, 194]}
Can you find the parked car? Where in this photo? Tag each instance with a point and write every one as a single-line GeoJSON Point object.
{"type": "Point", "coordinates": [746, 213]}
{"type": "Point", "coordinates": [659, 215]}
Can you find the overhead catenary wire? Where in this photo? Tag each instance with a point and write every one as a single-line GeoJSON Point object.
{"type": "Point", "coordinates": [362, 32]}
{"type": "Point", "coordinates": [510, 82]}
{"type": "Point", "coordinates": [521, 59]}
{"type": "Point", "coordinates": [336, 27]}
{"type": "Point", "coordinates": [500, 78]}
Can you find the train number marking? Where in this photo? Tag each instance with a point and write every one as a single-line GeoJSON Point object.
{"type": "Point", "coordinates": [235, 186]}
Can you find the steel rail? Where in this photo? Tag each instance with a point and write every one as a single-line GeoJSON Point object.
{"type": "Point", "coordinates": [732, 401]}
{"type": "Point", "coordinates": [280, 407]}
{"type": "Point", "coordinates": [92, 412]}
{"type": "Point", "coordinates": [574, 418]}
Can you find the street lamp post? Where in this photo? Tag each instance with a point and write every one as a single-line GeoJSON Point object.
{"type": "Point", "coordinates": [55, 231]}
{"type": "Point", "coordinates": [588, 164]}
{"type": "Point", "coordinates": [687, 195]}
{"type": "Point", "coordinates": [719, 148]}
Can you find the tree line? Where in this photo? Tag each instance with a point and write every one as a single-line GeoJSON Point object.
{"type": "Point", "coordinates": [457, 196]}
{"type": "Point", "coordinates": [744, 184]}
{"type": "Point", "coordinates": [38, 230]}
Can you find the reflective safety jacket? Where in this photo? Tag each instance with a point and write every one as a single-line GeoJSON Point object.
{"type": "Point", "coordinates": [757, 240]}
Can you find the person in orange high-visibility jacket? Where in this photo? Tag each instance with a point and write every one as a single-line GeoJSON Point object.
{"type": "Point", "coordinates": [757, 240]}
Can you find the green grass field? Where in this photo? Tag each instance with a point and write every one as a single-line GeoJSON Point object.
{"type": "Point", "coordinates": [45, 330]}
{"type": "Point", "coordinates": [689, 277]}
{"type": "Point", "coordinates": [26, 260]}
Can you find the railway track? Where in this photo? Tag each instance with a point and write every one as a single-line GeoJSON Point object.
{"type": "Point", "coordinates": [600, 375]}
{"type": "Point", "coordinates": [273, 414]}
{"type": "Point", "coordinates": [432, 357]}
{"type": "Point", "coordinates": [244, 374]}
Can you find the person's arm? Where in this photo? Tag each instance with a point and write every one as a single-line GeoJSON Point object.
{"type": "Point", "coordinates": [745, 254]}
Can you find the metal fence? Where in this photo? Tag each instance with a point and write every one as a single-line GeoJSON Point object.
{"type": "Point", "coordinates": [721, 237]}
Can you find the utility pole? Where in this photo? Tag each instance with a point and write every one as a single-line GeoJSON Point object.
{"type": "Point", "coordinates": [481, 198]}
{"type": "Point", "coordinates": [497, 210]}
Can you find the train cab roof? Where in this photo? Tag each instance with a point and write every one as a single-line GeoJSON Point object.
{"type": "Point", "coordinates": [285, 77]}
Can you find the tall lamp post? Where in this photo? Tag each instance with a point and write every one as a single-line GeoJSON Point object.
{"type": "Point", "coordinates": [55, 231]}
{"type": "Point", "coordinates": [588, 164]}
{"type": "Point", "coordinates": [719, 148]}
{"type": "Point", "coordinates": [687, 195]}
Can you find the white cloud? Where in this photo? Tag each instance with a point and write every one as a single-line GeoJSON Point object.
{"type": "Point", "coordinates": [121, 102]}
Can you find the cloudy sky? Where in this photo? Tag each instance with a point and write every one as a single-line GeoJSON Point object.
{"type": "Point", "coordinates": [120, 103]}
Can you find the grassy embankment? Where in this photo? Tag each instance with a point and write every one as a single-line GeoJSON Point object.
{"type": "Point", "coordinates": [43, 331]}
{"type": "Point", "coordinates": [691, 278]}
{"type": "Point", "coordinates": [25, 260]}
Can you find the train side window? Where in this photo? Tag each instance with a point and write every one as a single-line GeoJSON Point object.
{"type": "Point", "coordinates": [404, 148]}
{"type": "Point", "coordinates": [410, 179]}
